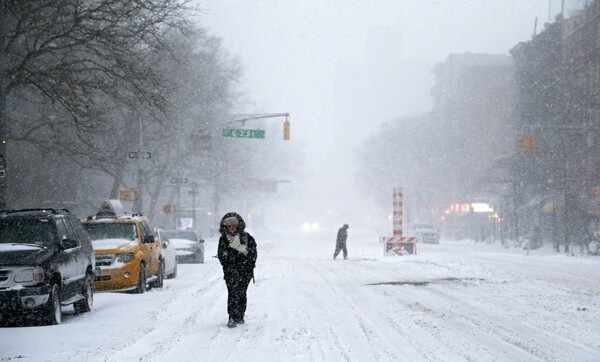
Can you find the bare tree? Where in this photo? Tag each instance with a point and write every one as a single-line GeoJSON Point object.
{"type": "Point", "coordinates": [68, 49]}
{"type": "Point", "coordinates": [64, 55]}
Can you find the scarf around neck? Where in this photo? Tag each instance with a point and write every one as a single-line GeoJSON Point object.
{"type": "Point", "coordinates": [235, 243]}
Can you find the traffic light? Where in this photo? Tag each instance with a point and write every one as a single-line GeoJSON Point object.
{"type": "Point", "coordinates": [286, 130]}
{"type": "Point", "coordinates": [526, 143]}
{"type": "Point", "coordinates": [522, 144]}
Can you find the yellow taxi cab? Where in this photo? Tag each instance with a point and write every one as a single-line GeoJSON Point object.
{"type": "Point", "coordinates": [127, 251]}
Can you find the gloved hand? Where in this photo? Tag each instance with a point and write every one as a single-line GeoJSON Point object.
{"type": "Point", "coordinates": [235, 242]}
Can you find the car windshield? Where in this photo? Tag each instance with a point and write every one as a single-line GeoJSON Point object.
{"type": "Point", "coordinates": [113, 230]}
{"type": "Point", "coordinates": [39, 232]}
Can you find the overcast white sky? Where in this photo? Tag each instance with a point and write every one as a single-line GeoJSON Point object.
{"type": "Point", "coordinates": [341, 68]}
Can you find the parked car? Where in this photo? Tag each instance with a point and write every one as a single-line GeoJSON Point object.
{"type": "Point", "coordinates": [46, 262]}
{"type": "Point", "coordinates": [128, 254]}
{"type": "Point", "coordinates": [169, 254]}
{"type": "Point", "coordinates": [189, 246]}
{"type": "Point", "coordinates": [426, 231]}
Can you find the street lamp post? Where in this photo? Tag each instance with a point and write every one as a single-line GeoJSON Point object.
{"type": "Point", "coordinates": [193, 192]}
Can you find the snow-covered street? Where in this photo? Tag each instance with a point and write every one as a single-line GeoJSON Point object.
{"type": "Point", "coordinates": [456, 301]}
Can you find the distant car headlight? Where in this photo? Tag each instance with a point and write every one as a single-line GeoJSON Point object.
{"type": "Point", "coordinates": [125, 258]}
{"type": "Point", "coordinates": [307, 226]}
{"type": "Point", "coordinates": [30, 275]}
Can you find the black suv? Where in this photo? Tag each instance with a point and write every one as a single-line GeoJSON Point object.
{"type": "Point", "coordinates": [46, 261]}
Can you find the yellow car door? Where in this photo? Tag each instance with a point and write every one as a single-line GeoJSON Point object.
{"type": "Point", "coordinates": [151, 248]}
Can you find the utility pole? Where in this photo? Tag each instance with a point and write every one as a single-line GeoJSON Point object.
{"type": "Point", "coordinates": [140, 170]}
{"type": "Point", "coordinates": [140, 155]}
{"type": "Point", "coordinates": [178, 181]}
{"type": "Point", "coordinates": [178, 195]}
{"type": "Point", "coordinates": [193, 191]}
{"type": "Point", "coordinates": [3, 113]}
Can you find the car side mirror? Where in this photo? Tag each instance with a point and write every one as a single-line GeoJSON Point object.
{"type": "Point", "coordinates": [148, 239]}
{"type": "Point", "coordinates": [164, 245]}
{"type": "Point", "coordinates": [68, 244]}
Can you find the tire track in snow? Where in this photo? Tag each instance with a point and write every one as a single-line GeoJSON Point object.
{"type": "Point", "coordinates": [417, 324]}
{"type": "Point", "coordinates": [179, 314]}
{"type": "Point", "coordinates": [567, 281]}
{"type": "Point", "coordinates": [386, 340]}
{"type": "Point", "coordinates": [404, 323]}
{"type": "Point", "coordinates": [536, 342]}
{"type": "Point", "coordinates": [436, 315]}
{"type": "Point", "coordinates": [345, 331]}
{"type": "Point", "coordinates": [284, 317]}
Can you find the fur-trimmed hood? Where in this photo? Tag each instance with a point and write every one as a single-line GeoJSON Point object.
{"type": "Point", "coordinates": [241, 223]}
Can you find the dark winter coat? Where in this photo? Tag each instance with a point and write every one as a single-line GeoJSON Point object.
{"type": "Point", "coordinates": [342, 235]}
{"type": "Point", "coordinates": [235, 264]}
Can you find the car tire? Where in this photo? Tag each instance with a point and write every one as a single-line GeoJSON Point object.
{"type": "Point", "coordinates": [141, 284]}
{"type": "Point", "coordinates": [160, 275]}
{"type": "Point", "coordinates": [86, 304]}
{"type": "Point", "coordinates": [53, 312]}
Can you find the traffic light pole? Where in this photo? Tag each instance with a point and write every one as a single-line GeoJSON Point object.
{"type": "Point", "coordinates": [286, 123]}
{"type": "Point", "coordinates": [242, 119]}
{"type": "Point", "coordinates": [250, 117]}
{"type": "Point", "coordinates": [3, 113]}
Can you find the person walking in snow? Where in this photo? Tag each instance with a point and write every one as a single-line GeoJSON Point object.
{"type": "Point", "coordinates": [340, 242]}
{"type": "Point", "coordinates": [237, 254]}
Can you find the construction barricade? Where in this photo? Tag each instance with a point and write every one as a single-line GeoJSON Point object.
{"type": "Point", "coordinates": [398, 244]}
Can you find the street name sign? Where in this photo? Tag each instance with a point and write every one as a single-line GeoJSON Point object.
{"type": "Point", "coordinates": [244, 133]}
{"type": "Point", "coordinates": [136, 154]}
{"type": "Point", "coordinates": [179, 180]}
